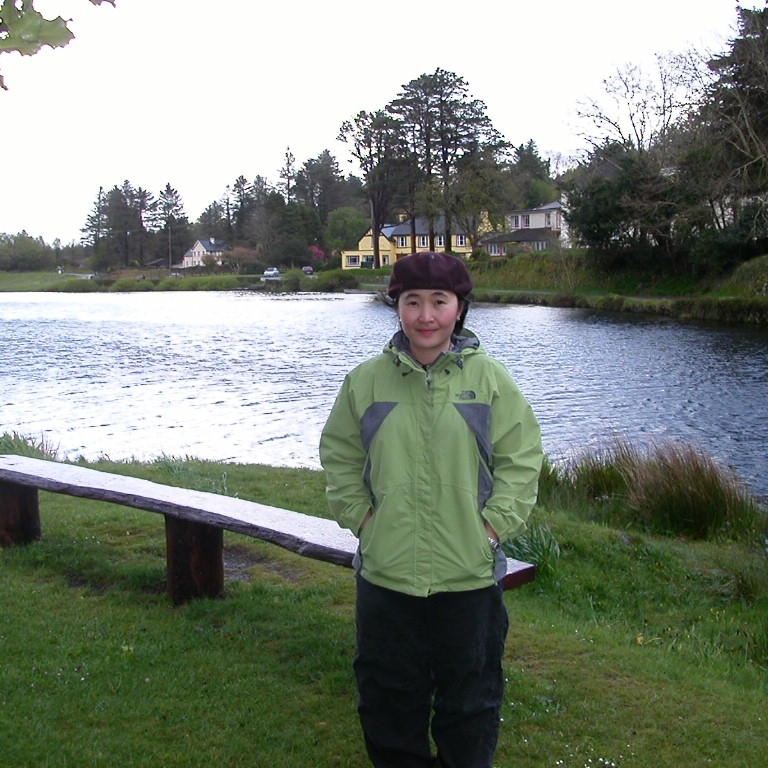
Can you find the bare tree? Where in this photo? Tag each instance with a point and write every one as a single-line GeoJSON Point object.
{"type": "Point", "coordinates": [638, 109]}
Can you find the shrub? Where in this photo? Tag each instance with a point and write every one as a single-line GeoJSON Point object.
{"type": "Point", "coordinates": [290, 282]}
{"type": "Point", "coordinates": [335, 280]}
{"type": "Point", "coordinates": [750, 278]}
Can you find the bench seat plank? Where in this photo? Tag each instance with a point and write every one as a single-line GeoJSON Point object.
{"type": "Point", "coordinates": [306, 535]}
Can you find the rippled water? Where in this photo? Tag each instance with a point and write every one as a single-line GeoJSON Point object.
{"type": "Point", "coordinates": [250, 378]}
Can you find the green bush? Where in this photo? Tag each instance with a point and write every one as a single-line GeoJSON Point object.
{"type": "Point", "coordinates": [337, 280]}
{"type": "Point", "coordinates": [290, 281]}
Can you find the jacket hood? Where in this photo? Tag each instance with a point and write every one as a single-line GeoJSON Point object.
{"type": "Point", "coordinates": [465, 343]}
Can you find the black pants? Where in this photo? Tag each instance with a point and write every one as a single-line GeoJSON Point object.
{"type": "Point", "coordinates": [430, 664]}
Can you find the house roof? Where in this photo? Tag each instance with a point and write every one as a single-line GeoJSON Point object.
{"type": "Point", "coordinates": [553, 206]}
{"type": "Point", "coordinates": [535, 235]}
{"type": "Point", "coordinates": [422, 227]}
{"type": "Point", "coordinates": [213, 245]}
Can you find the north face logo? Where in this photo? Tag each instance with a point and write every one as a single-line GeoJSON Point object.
{"type": "Point", "coordinates": [467, 394]}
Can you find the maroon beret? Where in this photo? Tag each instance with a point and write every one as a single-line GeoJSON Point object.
{"type": "Point", "coordinates": [430, 270]}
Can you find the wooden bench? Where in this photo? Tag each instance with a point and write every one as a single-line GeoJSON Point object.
{"type": "Point", "coordinates": [194, 522]}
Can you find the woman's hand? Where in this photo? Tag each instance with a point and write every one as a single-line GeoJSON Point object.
{"type": "Point", "coordinates": [488, 528]}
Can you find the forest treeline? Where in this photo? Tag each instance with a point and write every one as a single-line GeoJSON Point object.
{"type": "Point", "coordinates": [674, 180]}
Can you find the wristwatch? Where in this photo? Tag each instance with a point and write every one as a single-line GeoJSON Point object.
{"type": "Point", "coordinates": [495, 544]}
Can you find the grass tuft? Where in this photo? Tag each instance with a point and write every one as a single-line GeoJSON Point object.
{"type": "Point", "coordinates": [23, 445]}
{"type": "Point", "coordinates": [670, 489]}
{"type": "Point", "coordinates": [538, 546]}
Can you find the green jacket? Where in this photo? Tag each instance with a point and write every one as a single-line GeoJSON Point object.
{"type": "Point", "coordinates": [432, 453]}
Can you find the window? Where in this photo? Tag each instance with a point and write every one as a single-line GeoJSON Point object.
{"type": "Point", "coordinates": [353, 261]}
{"type": "Point", "coordinates": [461, 240]}
{"type": "Point", "coordinates": [496, 249]}
{"type": "Point", "coordinates": [384, 261]}
{"type": "Point", "coordinates": [515, 222]}
{"type": "Point", "coordinates": [547, 219]}
{"type": "Point", "coordinates": [423, 241]}
{"type": "Point", "coordinates": [439, 241]}
{"type": "Point", "coordinates": [526, 221]}
{"type": "Point", "coordinates": [402, 241]}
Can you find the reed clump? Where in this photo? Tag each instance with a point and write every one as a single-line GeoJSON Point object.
{"type": "Point", "coordinates": [678, 490]}
{"type": "Point", "coordinates": [25, 445]}
{"type": "Point", "coordinates": [669, 488]}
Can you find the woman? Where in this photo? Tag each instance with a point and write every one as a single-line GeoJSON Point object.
{"type": "Point", "coordinates": [432, 457]}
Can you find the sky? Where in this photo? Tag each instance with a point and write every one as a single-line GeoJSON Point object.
{"type": "Point", "coordinates": [197, 93]}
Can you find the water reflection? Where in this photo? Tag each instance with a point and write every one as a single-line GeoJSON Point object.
{"type": "Point", "coordinates": [243, 377]}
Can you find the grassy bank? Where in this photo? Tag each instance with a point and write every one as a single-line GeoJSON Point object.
{"type": "Point", "coordinates": [11, 282]}
{"type": "Point", "coordinates": [632, 649]}
{"type": "Point", "coordinates": [134, 280]}
{"type": "Point", "coordinates": [567, 280]}
{"type": "Point", "coordinates": [746, 311]}
{"type": "Point", "coordinates": [551, 279]}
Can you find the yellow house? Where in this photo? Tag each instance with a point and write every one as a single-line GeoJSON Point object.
{"type": "Point", "coordinates": [395, 242]}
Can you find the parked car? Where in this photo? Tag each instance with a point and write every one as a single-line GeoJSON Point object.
{"type": "Point", "coordinates": [271, 272]}
{"type": "Point", "coordinates": [308, 270]}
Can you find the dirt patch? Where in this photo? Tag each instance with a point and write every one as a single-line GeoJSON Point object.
{"type": "Point", "coordinates": [239, 560]}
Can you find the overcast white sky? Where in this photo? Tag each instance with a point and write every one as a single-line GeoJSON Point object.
{"type": "Point", "coordinates": [196, 93]}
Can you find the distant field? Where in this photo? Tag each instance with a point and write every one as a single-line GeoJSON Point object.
{"type": "Point", "coordinates": [30, 281]}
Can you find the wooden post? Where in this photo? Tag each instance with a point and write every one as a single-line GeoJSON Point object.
{"type": "Point", "coordinates": [194, 554]}
{"type": "Point", "coordinates": [19, 514]}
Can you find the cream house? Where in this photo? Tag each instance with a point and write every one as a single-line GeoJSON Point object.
{"type": "Point", "coordinates": [204, 253]}
{"type": "Point", "coordinates": [395, 242]}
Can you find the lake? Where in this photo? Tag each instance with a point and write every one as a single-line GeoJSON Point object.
{"type": "Point", "coordinates": [247, 377]}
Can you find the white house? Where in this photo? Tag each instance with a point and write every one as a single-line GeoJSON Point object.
{"type": "Point", "coordinates": [534, 229]}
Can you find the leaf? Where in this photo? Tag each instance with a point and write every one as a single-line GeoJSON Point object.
{"type": "Point", "coordinates": [27, 31]}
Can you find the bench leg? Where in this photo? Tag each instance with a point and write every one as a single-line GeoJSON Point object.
{"type": "Point", "coordinates": [19, 514]}
{"type": "Point", "coordinates": [195, 559]}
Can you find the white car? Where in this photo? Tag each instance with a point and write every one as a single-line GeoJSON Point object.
{"type": "Point", "coordinates": [272, 272]}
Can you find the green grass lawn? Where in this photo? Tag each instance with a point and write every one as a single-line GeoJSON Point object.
{"type": "Point", "coordinates": [31, 281]}
{"type": "Point", "coordinates": [637, 650]}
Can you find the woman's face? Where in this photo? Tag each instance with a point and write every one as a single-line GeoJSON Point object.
{"type": "Point", "coordinates": [428, 318]}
